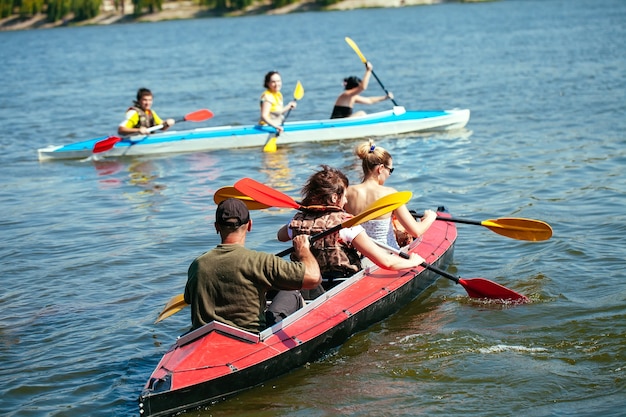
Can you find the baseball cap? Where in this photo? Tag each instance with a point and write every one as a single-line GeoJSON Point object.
{"type": "Point", "coordinates": [232, 212]}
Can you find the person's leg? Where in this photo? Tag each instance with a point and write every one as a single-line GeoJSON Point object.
{"type": "Point", "coordinates": [284, 304]}
{"type": "Point", "coordinates": [312, 294]}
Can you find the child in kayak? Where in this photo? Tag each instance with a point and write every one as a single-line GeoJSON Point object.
{"type": "Point", "coordinates": [140, 116]}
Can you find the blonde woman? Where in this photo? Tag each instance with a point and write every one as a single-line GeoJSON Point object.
{"type": "Point", "coordinates": [377, 167]}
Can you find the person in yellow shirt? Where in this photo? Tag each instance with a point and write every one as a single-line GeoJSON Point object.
{"type": "Point", "coordinates": [140, 116]}
{"type": "Point", "coordinates": [272, 109]}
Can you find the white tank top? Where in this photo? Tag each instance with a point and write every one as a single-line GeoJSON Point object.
{"type": "Point", "coordinates": [382, 231]}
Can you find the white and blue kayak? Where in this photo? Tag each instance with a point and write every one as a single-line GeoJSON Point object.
{"type": "Point", "coordinates": [390, 122]}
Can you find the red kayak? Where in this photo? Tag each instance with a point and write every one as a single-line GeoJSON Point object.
{"type": "Point", "coordinates": [217, 360]}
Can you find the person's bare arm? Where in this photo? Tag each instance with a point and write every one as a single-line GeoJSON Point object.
{"type": "Point", "coordinates": [416, 229]}
{"type": "Point", "coordinates": [364, 244]}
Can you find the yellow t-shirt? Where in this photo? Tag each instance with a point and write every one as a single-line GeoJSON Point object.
{"type": "Point", "coordinates": [276, 102]}
{"type": "Point", "coordinates": [132, 118]}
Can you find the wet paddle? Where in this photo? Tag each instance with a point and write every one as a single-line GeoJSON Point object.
{"type": "Point", "coordinates": [270, 145]}
{"type": "Point", "coordinates": [231, 192]}
{"type": "Point", "coordinates": [475, 287]}
{"type": "Point", "coordinates": [196, 116]}
{"type": "Point", "coordinates": [173, 306]}
{"type": "Point", "coordinates": [513, 227]}
{"type": "Point", "coordinates": [354, 46]}
{"type": "Point", "coordinates": [376, 209]}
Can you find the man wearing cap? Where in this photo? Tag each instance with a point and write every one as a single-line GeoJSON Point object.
{"type": "Point", "coordinates": [229, 283]}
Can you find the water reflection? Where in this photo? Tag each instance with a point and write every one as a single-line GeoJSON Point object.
{"type": "Point", "coordinates": [142, 174]}
{"type": "Point", "coordinates": [276, 168]}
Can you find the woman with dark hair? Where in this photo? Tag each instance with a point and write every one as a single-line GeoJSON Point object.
{"type": "Point", "coordinates": [323, 200]}
{"type": "Point", "coordinates": [354, 86]}
{"type": "Point", "coordinates": [272, 109]}
{"type": "Point", "coordinates": [377, 168]}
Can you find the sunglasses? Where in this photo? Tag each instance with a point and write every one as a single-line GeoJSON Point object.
{"type": "Point", "coordinates": [390, 169]}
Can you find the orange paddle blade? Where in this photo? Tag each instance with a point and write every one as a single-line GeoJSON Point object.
{"type": "Point", "coordinates": [198, 116]}
{"type": "Point", "coordinates": [264, 194]}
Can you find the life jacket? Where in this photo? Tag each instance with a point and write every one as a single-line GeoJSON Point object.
{"type": "Point", "coordinates": [335, 258]}
{"type": "Point", "coordinates": [145, 120]}
{"type": "Point", "coordinates": [276, 101]}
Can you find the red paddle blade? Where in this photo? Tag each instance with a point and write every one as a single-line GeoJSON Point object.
{"type": "Point", "coordinates": [264, 194]}
{"type": "Point", "coordinates": [483, 288]}
{"type": "Point", "coordinates": [106, 144]}
{"type": "Point", "coordinates": [199, 115]}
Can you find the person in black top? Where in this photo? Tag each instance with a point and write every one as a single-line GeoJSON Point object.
{"type": "Point", "coordinates": [354, 86]}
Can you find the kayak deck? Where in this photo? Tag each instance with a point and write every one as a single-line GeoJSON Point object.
{"type": "Point", "coordinates": [390, 122]}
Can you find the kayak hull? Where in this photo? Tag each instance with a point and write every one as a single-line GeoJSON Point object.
{"type": "Point", "coordinates": [392, 122]}
{"type": "Point", "coordinates": [217, 360]}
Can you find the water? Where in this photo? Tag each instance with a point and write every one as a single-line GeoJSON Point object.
{"type": "Point", "coordinates": [93, 251]}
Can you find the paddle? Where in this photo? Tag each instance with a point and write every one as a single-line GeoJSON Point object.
{"type": "Point", "coordinates": [266, 195]}
{"type": "Point", "coordinates": [475, 287]}
{"type": "Point", "coordinates": [516, 228]}
{"type": "Point", "coordinates": [175, 304]}
{"type": "Point", "coordinates": [196, 116]}
{"type": "Point", "coordinates": [374, 210]}
{"type": "Point", "coordinates": [354, 46]}
{"type": "Point", "coordinates": [513, 227]}
{"type": "Point", "coordinates": [231, 192]}
{"type": "Point", "coordinates": [270, 145]}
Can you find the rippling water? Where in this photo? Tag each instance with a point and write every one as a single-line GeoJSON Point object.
{"type": "Point", "coordinates": [93, 250]}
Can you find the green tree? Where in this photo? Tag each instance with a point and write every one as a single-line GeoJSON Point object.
{"type": "Point", "coordinates": [151, 6]}
{"type": "Point", "coordinates": [85, 9]}
{"type": "Point", "coordinates": [57, 9]}
{"type": "Point", "coordinates": [224, 5]}
{"type": "Point", "coordinates": [30, 7]}
{"type": "Point", "coordinates": [6, 8]}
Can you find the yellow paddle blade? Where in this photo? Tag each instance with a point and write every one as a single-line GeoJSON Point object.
{"type": "Point", "coordinates": [379, 207]}
{"type": "Point", "coordinates": [354, 46]}
{"type": "Point", "coordinates": [519, 228]}
{"type": "Point", "coordinates": [270, 146]}
{"type": "Point", "coordinates": [298, 93]}
{"type": "Point", "coordinates": [231, 192]}
{"type": "Point", "coordinates": [175, 304]}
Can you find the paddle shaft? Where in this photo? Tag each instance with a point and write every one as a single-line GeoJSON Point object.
{"type": "Point", "coordinates": [424, 264]}
{"type": "Point", "coordinates": [448, 219]}
{"type": "Point", "coordinates": [383, 87]}
{"type": "Point", "coordinates": [356, 49]}
{"type": "Point", "coordinates": [511, 227]}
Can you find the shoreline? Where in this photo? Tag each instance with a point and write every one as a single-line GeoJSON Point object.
{"type": "Point", "coordinates": [188, 9]}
